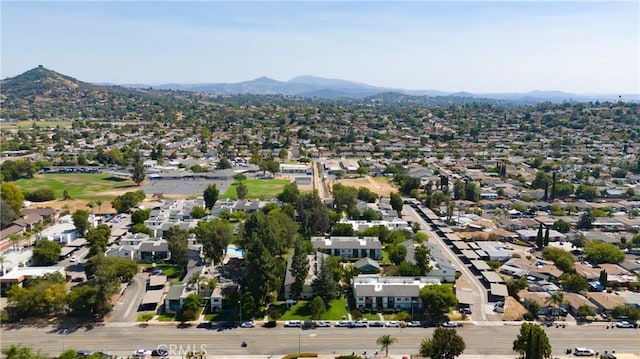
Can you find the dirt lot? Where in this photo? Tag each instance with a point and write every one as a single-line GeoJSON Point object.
{"type": "Point", "coordinates": [379, 185]}
{"type": "Point", "coordinates": [513, 310]}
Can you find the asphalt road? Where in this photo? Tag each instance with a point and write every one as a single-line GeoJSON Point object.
{"type": "Point", "coordinates": [126, 308]}
{"type": "Point", "coordinates": [480, 340]}
{"type": "Point", "coordinates": [480, 293]}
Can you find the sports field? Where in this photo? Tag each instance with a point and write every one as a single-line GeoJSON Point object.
{"type": "Point", "coordinates": [258, 188]}
{"type": "Point", "coordinates": [80, 186]}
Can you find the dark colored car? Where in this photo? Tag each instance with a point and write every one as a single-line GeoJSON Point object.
{"type": "Point", "coordinates": [159, 353]}
{"type": "Point", "coordinates": [376, 324]}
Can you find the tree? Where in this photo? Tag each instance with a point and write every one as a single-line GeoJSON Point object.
{"type": "Point", "coordinates": [317, 307]}
{"type": "Point", "coordinates": [344, 197]}
{"type": "Point", "coordinates": [272, 166]}
{"type": "Point", "coordinates": [324, 284]}
{"type": "Point", "coordinates": [384, 342]}
{"type": "Point", "coordinates": [586, 221]}
{"type": "Point", "coordinates": [445, 344]}
{"type": "Point", "coordinates": [224, 164]}
{"type": "Point", "coordinates": [396, 203]}
{"type": "Point", "coordinates": [242, 190]}
{"type": "Point", "coordinates": [438, 299]}
{"type": "Point", "coordinates": [177, 238]}
{"type": "Point", "coordinates": [546, 237]}
{"type": "Point", "coordinates": [239, 177]}
{"type": "Point", "coordinates": [140, 216]}
{"type": "Point", "coordinates": [342, 229]}
{"type": "Point", "coordinates": [421, 257]}
{"type": "Point", "coordinates": [539, 238]}
{"type": "Point", "coordinates": [532, 342]}
{"type": "Point", "coordinates": [17, 351]}
{"type": "Point", "coordinates": [211, 196]}
{"type": "Point", "coordinates": [290, 193]}
{"type": "Point", "coordinates": [6, 214]}
{"type": "Point", "coordinates": [124, 202]}
{"type": "Point", "coordinates": [262, 266]}
{"type": "Point", "coordinates": [299, 270]}
{"type": "Point", "coordinates": [198, 212]}
{"type": "Point", "coordinates": [12, 194]}
{"type": "Point", "coordinates": [98, 239]}
{"type": "Point", "coordinates": [215, 236]}
{"type": "Point", "coordinates": [81, 221]}
{"type": "Point", "coordinates": [45, 253]}
{"type": "Point", "coordinates": [139, 173]}
{"type": "Point", "coordinates": [603, 279]}
{"type": "Point", "coordinates": [574, 282]}
{"type": "Point", "coordinates": [600, 252]}
{"type": "Point", "coordinates": [82, 300]}
{"type": "Point", "coordinates": [561, 226]}
{"type": "Point", "coordinates": [365, 194]}
{"type": "Point", "coordinates": [397, 253]}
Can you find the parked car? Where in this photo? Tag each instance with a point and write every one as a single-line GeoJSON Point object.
{"type": "Point", "coordinates": [392, 324]}
{"type": "Point", "coordinates": [293, 323]}
{"type": "Point", "coordinates": [159, 353]}
{"type": "Point", "coordinates": [343, 323]}
{"type": "Point", "coordinates": [323, 324]}
{"type": "Point", "coordinates": [584, 352]}
{"type": "Point", "coordinates": [625, 324]}
{"type": "Point", "coordinates": [141, 352]}
{"type": "Point", "coordinates": [73, 258]}
{"type": "Point", "coordinates": [414, 324]}
{"type": "Point", "coordinates": [465, 310]}
{"type": "Point", "coordinates": [359, 324]}
{"type": "Point", "coordinates": [249, 324]}
{"type": "Point", "coordinates": [450, 324]}
{"type": "Point", "coordinates": [84, 353]}
{"type": "Point", "coordinates": [376, 324]}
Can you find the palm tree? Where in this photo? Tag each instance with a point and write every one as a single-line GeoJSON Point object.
{"type": "Point", "coordinates": [384, 342]}
{"type": "Point", "coordinates": [557, 299]}
{"type": "Point", "coordinates": [3, 260]}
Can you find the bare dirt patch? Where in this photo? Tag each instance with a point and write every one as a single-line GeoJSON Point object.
{"type": "Point", "coordinates": [381, 186]}
{"type": "Point", "coordinates": [513, 310]}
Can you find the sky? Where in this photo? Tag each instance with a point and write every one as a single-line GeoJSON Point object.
{"type": "Point", "coordinates": [584, 47]}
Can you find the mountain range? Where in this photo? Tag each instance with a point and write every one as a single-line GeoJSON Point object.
{"type": "Point", "coordinates": [44, 83]}
{"type": "Point", "coordinates": [312, 86]}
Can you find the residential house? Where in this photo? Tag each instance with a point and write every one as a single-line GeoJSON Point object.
{"type": "Point", "coordinates": [123, 251]}
{"type": "Point", "coordinates": [175, 298]}
{"type": "Point", "coordinates": [367, 266]}
{"type": "Point", "coordinates": [315, 262]}
{"type": "Point", "coordinates": [152, 251]}
{"type": "Point", "coordinates": [348, 247]}
{"type": "Point", "coordinates": [380, 293]}
{"type": "Point", "coordinates": [18, 275]}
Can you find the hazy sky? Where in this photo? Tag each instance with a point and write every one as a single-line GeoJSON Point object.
{"type": "Point", "coordinates": [475, 46]}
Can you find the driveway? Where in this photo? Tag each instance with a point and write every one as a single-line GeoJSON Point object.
{"type": "Point", "coordinates": [126, 308]}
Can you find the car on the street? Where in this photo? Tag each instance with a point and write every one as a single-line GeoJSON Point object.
{"type": "Point", "coordinates": [159, 353]}
{"type": "Point", "coordinates": [293, 324]}
{"type": "Point", "coordinates": [249, 324]}
{"type": "Point", "coordinates": [83, 353]}
{"type": "Point", "coordinates": [343, 323]}
{"type": "Point", "coordinates": [376, 324]}
{"type": "Point", "coordinates": [414, 324]}
{"type": "Point", "coordinates": [450, 324]}
{"type": "Point", "coordinates": [359, 324]}
{"type": "Point", "coordinates": [584, 352]}
{"type": "Point", "coordinates": [392, 324]}
{"type": "Point", "coordinates": [141, 352]}
{"type": "Point", "coordinates": [323, 324]}
{"type": "Point", "coordinates": [625, 324]}
{"type": "Point", "coordinates": [73, 258]}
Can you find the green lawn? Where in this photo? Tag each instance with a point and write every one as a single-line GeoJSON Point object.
{"type": "Point", "coordinates": [258, 188]}
{"type": "Point", "coordinates": [372, 317]}
{"type": "Point", "coordinates": [222, 316]}
{"type": "Point", "coordinates": [143, 317]}
{"type": "Point", "coordinates": [79, 185]}
{"type": "Point", "coordinates": [301, 311]}
{"type": "Point", "coordinates": [170, 270]}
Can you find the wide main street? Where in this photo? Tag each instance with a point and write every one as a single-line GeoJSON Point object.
{"type": "Point", "coordinates": [482, 340]}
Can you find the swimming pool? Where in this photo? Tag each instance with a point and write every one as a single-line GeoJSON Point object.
{"type": "Point", "coordinates": [234, 251]}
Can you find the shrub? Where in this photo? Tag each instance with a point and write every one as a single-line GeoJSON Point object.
{"type": "Point", "coordinates": [300, 355]}
{"type": "Point", "coordinates": [41, 195]}
{"type": "Point", "coordinates": [356, 314]}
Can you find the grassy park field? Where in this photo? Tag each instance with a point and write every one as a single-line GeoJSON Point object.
{"type": "Point", "coordinates": [29, 124]}
{"type": "Point", "coordinates": [258, 188]}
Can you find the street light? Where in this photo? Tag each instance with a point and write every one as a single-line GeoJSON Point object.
{"type": "Point", "coordinates": [64, 332]}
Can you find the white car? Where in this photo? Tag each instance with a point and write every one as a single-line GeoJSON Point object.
{"type": "Point", "coordinates": [343, 323]}
{"type": "Point", "coordinates": [392, 324]}
{"type": "Point", "coordinates": [450, 324]}
{"type": "Point", "coordinates": [249, 324]}
{"type": "Point", "coordinates": [73, 258]}
{"type": "Point", "coordinates": [323, 324]}
{"type": "Point", "coordinates": [625, 324]}
{"type": "Point", "coordinates": [584, 352]}
{"type": "Point", "coordinates": [414, 324]}
{"type": "Point", "coordinates": [141, 352]}
{"type": "Point", "coordinates": [293, 323]}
